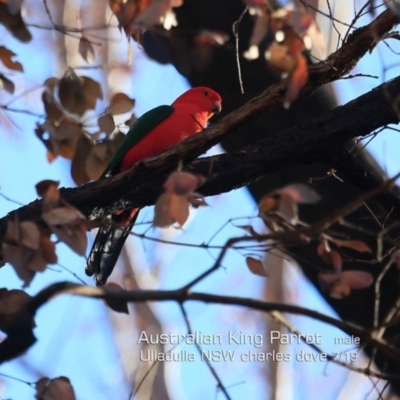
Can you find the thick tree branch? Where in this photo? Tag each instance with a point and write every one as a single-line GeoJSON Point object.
{"type": "Point", "coordinates": [298, 145]}
{"type": "Point", "coordinates": [314, 141]}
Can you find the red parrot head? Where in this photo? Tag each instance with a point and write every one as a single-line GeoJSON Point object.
{"type": "Point", "coordinates": [203, 99]}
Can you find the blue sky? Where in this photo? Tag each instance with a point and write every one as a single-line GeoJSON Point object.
{"type": "Point", "coordinates": [75, 336]}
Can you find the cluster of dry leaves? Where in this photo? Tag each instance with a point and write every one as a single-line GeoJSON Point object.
{"type": "Point", "coordinates": [66, 102]}
{"type": "Point", "coordinates": [6, 58]}
{"type": "Point", "coordinates": [27, 245]}
{"type": "Point", "coordinates": [173, 205]}
{"type": "Point", "coordinates": [279, 211]}
{"type": "Point", "coordinates": [136, 15]}
{"type": "Point", "coordinates": [285, 53]}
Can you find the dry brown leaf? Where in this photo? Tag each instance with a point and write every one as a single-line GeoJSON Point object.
{"type": "Point", "coordinates": [179, 209]}
{"type": "Point", "coordinates": [115, 304]}
{"type": "Point", "coordinates": [22, 249]}
{"type": "Point", "coordinates": [256, 266]}
{"type": "Point", "coordinates": [99, 156]}
{"type": "Point", "coordinates": [106, 123]}
{"type": "Point", "coordinates": [300, 193]}
{"type": "Point", "coordinates": [70, 93]}
{"type": "Point", "coordinates": [279, 58]}
{"type": "Point", "coordinates": [330, 256]}
{"type": "Point", "coordinates": [86, 50]}
{"type": "Point", "coordinates": [13, 22]}
{"type": "Point", "coordinates": [54, 389]}
{"type": "Point", "coordinates": [180, 183]}
{"type": "Point", "coordinates": [268, 204]}
{"type": "Point", "coordinates": [65, 221]}
{"type": "Point", "coordinates": [120, 103]}
{"type": "Point", "coordinates": [6, 56]}
{"type": "Point", "coordinates": [297, 79]}
{"type": "Point", "coordinates": [162, 216]}
{"type": "Point", "coordinates": [43, 187]}
{"type": "Point", "coordinates": [339, 285]}
{"type": "Point", "coordinates": [131, 120]}
{"type": "Point", "coordinates": [62, 216]}
{"type": "Point", "coordinates": [73, 235]}
{"type": "Point", "coordinates": [357, 245]}
{"type": "Point", "coordinates": [6, 84]}
{"type": "Point", "coordinates": [92, 91]}
{"type": "Point", "coordinates": [78, 94]}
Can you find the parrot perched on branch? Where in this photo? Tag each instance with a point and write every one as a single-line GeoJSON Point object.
{"type": "Point", "coordinates": [154, 132]}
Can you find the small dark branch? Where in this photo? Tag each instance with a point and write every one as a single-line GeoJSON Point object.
{"type": "Point", "coordinates": [20, 334]}
{"type": "Point", "coordinates": [207, 361]}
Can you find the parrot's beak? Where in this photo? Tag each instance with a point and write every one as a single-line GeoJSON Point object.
{"type": "Point", "coordinates": [217, 107]}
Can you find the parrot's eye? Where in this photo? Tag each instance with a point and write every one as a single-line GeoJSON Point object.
{"type": "Point", "coordinates": [205, 94]}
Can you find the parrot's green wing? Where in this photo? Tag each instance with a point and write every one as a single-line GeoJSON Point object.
{"type": "Point", "coordinates": [138, 130]}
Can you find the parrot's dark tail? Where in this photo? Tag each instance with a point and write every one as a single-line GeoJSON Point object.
{"type": "Point", "coordinates": [108, 245]}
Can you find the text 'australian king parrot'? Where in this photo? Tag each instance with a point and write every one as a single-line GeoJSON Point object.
{"type": "Point", "coordinates": [154, 132]}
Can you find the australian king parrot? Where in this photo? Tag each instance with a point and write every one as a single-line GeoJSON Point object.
{"type": "Point", "coordinates": [155, 131]}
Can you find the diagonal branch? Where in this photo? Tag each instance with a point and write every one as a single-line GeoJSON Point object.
{"type": "Point", "coordinates": [298, 145]}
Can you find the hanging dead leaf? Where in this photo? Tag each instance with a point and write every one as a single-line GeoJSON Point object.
{"type": "Point", "coordinates": [86, 50]}
{"type": "Point", "coordinates": [70, 93]}
{"type": "Point", "coordinates": [100, 154]}
{"type": "Point", "coordinates": [115, 304]}
{"type": "Point", "coordinates": [340, 285]}
{"type": "Point", "coordinates": [64, 129]}
{"type": "Point", "coordinates": [256, 266]}
{"type": "Point", "coordinates": [78, 94]}
{"type": "Point", "coordinates": [297, 79]}
{"type": "Point", "coordinates": [62, 216]}
{"type": "Point", "coordinates": [92, 91]}
{"type": "Point", "coordinates": [268, 204]}
{"type": "Point", "coordinates": [73, 235]}
{"type": "Point", "coordinates": [43, 188]}
{"type": "Point", "coordinates": [180, 183]}
{"type": "Point", "coordinates": [179, 209]}
{"type": "Point", "coordinates": [162, 216]}
{"type": "Point", "coordinates": [120, 103]}
{"type": "Point", "coordinates": [330, 256]}
{"type": "Point", "coordinates": [279, 59]}
{"type": "Point", "coordinates": [13, 21]}
{"type": "Point", "coordinates": [131, 120]}
{"type": "Point", "coordinates": [357, 279]}
{"type": "Point", "coordinates": [22, 248]}
{"type": "Point", "coordinates": [66, 222]}
{"type": "Point", "coordinates": [54, 389]}
{"type": "Point", "coordinates": [6, 56]}
{"type": "Point", "coordinates": [300, 193]}
{"type": "Point", "coordinates": [6, 84]}
{"type": "Point", "coordinates": [351, 244]}
{"type": "Point", "coordinates": [106, 123]}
